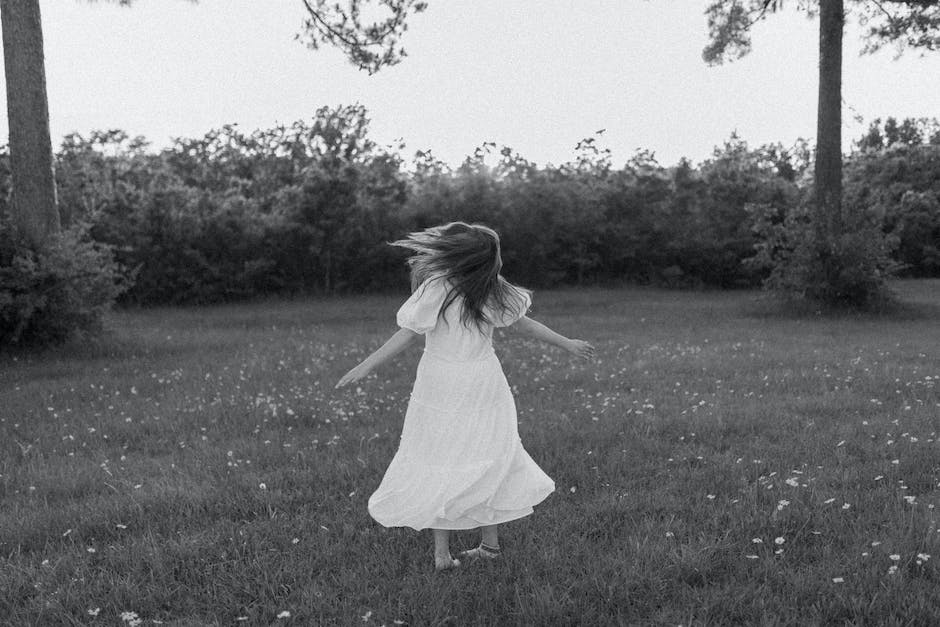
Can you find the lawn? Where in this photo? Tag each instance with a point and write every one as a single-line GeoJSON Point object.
{"type": "Point", "coordinates": [718, 463]}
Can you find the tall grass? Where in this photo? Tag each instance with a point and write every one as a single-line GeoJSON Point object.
{"type": "Point", "coordinates": [717, 464]}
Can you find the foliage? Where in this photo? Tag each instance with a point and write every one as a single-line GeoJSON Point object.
{"type": "Point", "coordinates": [368, 33]}
{"type": "Point", "coordinates": [895, 178]}
{"type": "Point", "coordinates": [903, 23]}
{"type": "Point", "coordinates": [309, 207]}
{"type": "Point", "coordinates": [909, 132]}
{"type": "Point", "coordinates": [370, 45]}
{"type": "Point", "coordinates": [847, 270]}
{"type": "Point", "coordinates": [586, 221]}
{"type": "Point", "coordinates": [908, 24]}
{"type": "Point", "coordinates": [62, 289]}
{"type": "Point", "coordinates": [304, 207]}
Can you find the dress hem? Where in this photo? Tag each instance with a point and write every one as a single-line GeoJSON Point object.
{"type": "Point", "coordinates": [464, 524]}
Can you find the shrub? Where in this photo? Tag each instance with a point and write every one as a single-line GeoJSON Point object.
{"type": "Point", "coordinates": [846, 270]}
{"type": "Point", "coordinates": [901, 185]}
{"type": "Point", "coordinates": [46, 296]}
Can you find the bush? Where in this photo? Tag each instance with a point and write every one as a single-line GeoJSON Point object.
{"type": "Point", "coordinates": [847, 270]}
{"type": "Point", "coordinates": [901, 186]}
{"type": "Point", "coordinates": [61, 290]}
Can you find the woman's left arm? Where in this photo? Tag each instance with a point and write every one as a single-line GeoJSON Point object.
{"type": "Point", "coordinates": [395, 344]}
{"type": "Point", "coordinates": [537, 330]}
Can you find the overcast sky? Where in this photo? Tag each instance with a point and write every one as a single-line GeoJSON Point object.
{"type": "Point", "coordinates": [537, 75]}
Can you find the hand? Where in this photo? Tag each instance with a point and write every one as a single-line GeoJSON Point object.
{"type": "Point", "coordinates": [353, 375]}
{"type": "Point", "coordinates": [580, 349]}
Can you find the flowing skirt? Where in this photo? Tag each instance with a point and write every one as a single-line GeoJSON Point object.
{"type": "Point", "coordinates": [460, 463]}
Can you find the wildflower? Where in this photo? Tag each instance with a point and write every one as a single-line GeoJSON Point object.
{"type": "Point", "coordinates": [131, 618]}
{"type": "Point", "coordinates": [779, 540]}
{"type": "Point", "coordinates": [262, 486]}
{"type": "Point", "coordinates": [284, 614]}
{"type": "Point", "coordinates": [894, 557]}
{"type": "Point", "coordinates": [751, 557]}
{"type": "Point", "coordinates": [893, 570]}
{"type": "Point", "coordinates": [838, 580]}
{"type": "Point", "coordinates": [846, 506]}
{"type": "Point", "coordinates": [94, 612]}
{"type": "Point", "coordinates": [757, 541]}
{"type": "Point", "coordinates": [828, 501]}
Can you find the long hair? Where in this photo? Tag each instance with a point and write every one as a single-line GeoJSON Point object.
{"type": "Point", "coordinates": [467, 255]}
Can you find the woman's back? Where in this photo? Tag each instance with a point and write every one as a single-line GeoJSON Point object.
{"type": "Point", "coordinates": [446, 336]}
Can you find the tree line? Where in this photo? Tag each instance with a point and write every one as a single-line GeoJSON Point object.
{"type": "Point", "coordinates": [309, 207]}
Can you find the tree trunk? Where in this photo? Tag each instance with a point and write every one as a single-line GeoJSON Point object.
{"type": "Point", "coordinates": [35, 213]}
{"type": "Point", "coordinates": [829, 119]}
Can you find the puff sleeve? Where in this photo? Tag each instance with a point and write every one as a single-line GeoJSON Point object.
{"type": "Point", "coordinates": [419, 313]}
{"type": "Point", "coordinates": [520, 300]}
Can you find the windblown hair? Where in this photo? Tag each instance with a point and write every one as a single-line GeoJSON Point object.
{"type": "Point", "coordinates": [467, 256]}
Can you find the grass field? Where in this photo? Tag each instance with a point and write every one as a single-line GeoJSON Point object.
{"type": "Point", "coordinates": [718, 464]}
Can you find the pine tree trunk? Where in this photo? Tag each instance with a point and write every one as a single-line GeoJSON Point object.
{"type": "Point", "coordinates": [35, 213]}
{"type": "Point", "coordinates": [829, 119]}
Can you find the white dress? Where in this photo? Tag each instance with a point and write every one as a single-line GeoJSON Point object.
{"type": "Point", "coordinates": [460, 463]}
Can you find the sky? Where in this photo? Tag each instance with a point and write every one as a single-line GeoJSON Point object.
{"type": "Point", "coordinates": [536, 75]}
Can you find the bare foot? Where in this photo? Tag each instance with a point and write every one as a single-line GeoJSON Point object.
{"type": "Point", "coordinates": [483, 551]}
{"type": "Point", "coordinates": [445, 563]}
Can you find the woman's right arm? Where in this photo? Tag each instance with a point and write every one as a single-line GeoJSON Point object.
{"type": "Point", "coordinates": [537, 330]}
{"type": "Point", "coordinates": [395, 344]}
